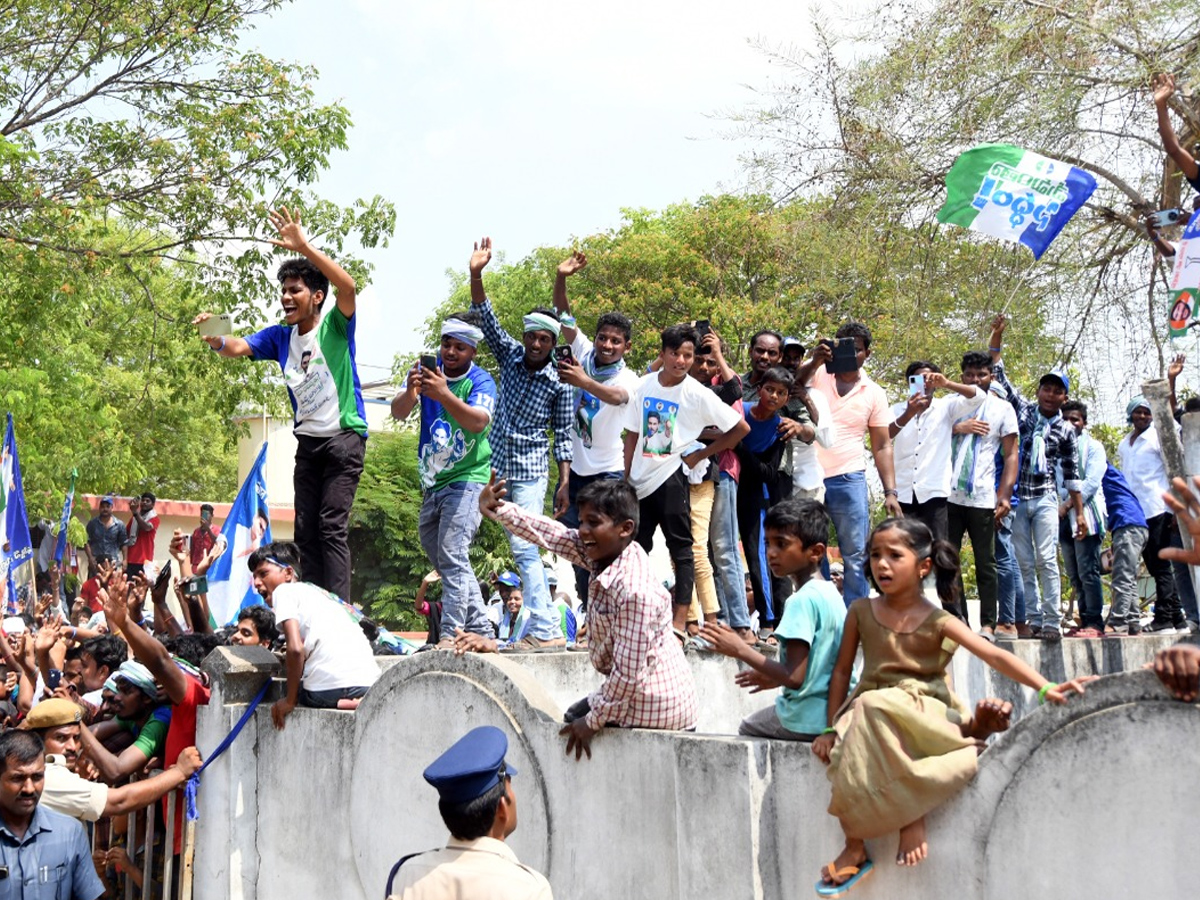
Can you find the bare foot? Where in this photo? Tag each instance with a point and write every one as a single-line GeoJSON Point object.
{"type": "Point", "coordinates": [913, 848]}
{"type": "Point", "coordinates": [991, 717]}
{"type": "Point", "coordinates": [747, 635]}
{"type": "Point", "coordinates": [853, 855]}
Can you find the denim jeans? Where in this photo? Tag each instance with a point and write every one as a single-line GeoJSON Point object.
{"type": "Point", "coordinates": [544, 621]}
{"type": "Point", "coordinates": [1183, 582]}
{"type": "Point", "coordinates": [1035, 538]}
{"type": "Point", "coordinates": [1081, 561]}
{"type": "Point", "coordinates": [1127, 544]}
{"type": "Point", "coordinates": [571, 519]}
{"type": "Point", "coordinates": [727, 562]}
{"type": "Point", "coordinates": [448, 523]}
{"type": "Point", "coordinates": [846, 501]}
{"type": "Point", "coordinates": [1008, 576]}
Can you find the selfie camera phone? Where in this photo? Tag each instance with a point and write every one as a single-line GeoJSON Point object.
{"type": "Point", "coordinates": [916, 385]}
{"type": "Point", "coordinates": [218, 325]}
{"type": "Point", "coordinates": [428, 361]}
{"type": "Point", "coordinates": [563, 352]}
{"type": "Point", "coordinates": [704, 329]}
{"type": "Point", "coordinates": [1166, 217]}
{"type": "Point", "coordinates": [195, 586]}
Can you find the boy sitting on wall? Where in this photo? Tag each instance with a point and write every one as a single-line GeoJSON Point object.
{"type": "Point", "coordinates": [630, 640]}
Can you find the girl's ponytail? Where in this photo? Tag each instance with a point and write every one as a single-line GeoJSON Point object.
{"type": "Point", "coordinates": [946, 568]}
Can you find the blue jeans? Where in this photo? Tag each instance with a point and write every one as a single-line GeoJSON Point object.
{"type": "Point", "coordinates": [1010, 593]}
{"type": "Point", "coordinates": [448, 523]}
{"type": "Point", "coordinates": [1081, 561]}
{"type": "Point", "coordinates": [727, 562]}
{"type": "Point", "coordinates": [544, 622]}
{"type": "Point", "coordinates": [846, 501]}
{"type": "Point", "coordinates": [1035, 538]}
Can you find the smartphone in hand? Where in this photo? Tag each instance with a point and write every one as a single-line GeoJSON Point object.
{"type": "Point", "coordinates": [428, 361]}
{"type": "Point", "coordinates": [563, 352]}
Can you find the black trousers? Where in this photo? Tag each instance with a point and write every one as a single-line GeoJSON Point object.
{"type": "Point", "coordinates": [933, 513]}
{"type": "Point", "coordinates": [980, 524]}
{"type": "Point", "coordinates": [1166, 597]}
{"type": "Point", "coordinates": [325, 481]}
{"type": "Point", "coordinates": [670, 508]}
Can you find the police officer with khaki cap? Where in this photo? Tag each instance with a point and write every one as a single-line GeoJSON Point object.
{"type": "Point", "coordinates": [58, 721]}
{"type": "Point", "coordinates": [479, 807]}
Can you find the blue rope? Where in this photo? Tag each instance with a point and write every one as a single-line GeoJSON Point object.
{"type": "Point", "coordinates": [193, 783]}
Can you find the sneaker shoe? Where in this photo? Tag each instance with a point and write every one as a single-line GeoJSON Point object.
{"type": "Point", "coordinates": [988, 633]}
{"type": "Point", "coordinates": [1181, 623]}
{"type": "Point", "coordinates": [1006, 632]}
{"type": "Point", "coordinates": [1160, 626]}
{"type": "Point", "coordinates": [1050, 635]}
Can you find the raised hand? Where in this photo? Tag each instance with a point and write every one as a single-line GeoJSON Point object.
{"type": "Point", "coordinates": [1175, 369]}
{"type": "Point", "coordinates": [1163, 86]}
{"type": "Point", "coordinates": [291, 234]}
{"type": "Point", "coordinates": [572, 264]}
{"type": "Point", "coordinates": [999, 323]}
{"type": "Point", "coordinates": [481, 256]}
{"type": "Point", "coordinates": [1187, 511]}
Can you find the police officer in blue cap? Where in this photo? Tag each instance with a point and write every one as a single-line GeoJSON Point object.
{"type": "Point", "coordinates": [478, 805]}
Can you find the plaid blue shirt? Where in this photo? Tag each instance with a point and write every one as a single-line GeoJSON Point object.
{"type": "Point", "coordinates": [529, 403]}
{"type": "Point", "coordinates": [1061, 446]}
{"type": "Point", "coordinates": [51, 861]}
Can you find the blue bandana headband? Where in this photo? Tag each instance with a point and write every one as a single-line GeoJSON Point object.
{"type": "Point", "coordinates": [462, 331]}
{"type": "Point", "coordinates": [542, 322]}
{"type": "Point", "coordinates": [1135, 403]}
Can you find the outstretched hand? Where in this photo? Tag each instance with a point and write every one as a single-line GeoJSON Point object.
{"type": "Point", "coordinates": [579, 738]}
{"type": "Point", "coordinates": [1163, 86]}
{"type": "Point", "coordinates": [1178, 668]}
{"type": "Point", "coordinates": [572, 264]}
{"type": "Point", "coordinates": [1175, 369]}
{"type": "Point", "coordinates": [1061, 692]}
{"type": "Point", "coordinates": [1187, 510]}
{"type": "Point", "coordinates": [492, 496]}
{"type": "Point", "coordinates": [755, 681]}
{"type": "Point", "coordinates": [481, 256]}
{"type": "Point", "coordinates": [724, 639]}
{"type": "Point", "coordinates": [291, 234]}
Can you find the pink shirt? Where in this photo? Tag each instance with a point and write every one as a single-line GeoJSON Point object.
{"type": "Point", "coordinates": [865, 406]}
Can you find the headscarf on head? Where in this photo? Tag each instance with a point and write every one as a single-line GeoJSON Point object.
{"type": "Point", "coordinates": [1137, 401]}
{"type": "Point", "coordinates": [536, 321]}
{"type": "Point", "coordinates": [462, 331]}
{"type": "Point", "coordinates": [140, 677]}
{"type": "Point", "coordinates": [14, 625]}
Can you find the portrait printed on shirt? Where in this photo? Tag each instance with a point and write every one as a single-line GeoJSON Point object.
{"type": "Point", "coordinates": [585, 414]}
{"type": "Point", "coordinates": [447, 445]}
{"type": "Point", "coordinates": [658, 424]}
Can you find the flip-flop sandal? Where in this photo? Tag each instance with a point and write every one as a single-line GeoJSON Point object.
{"type": "Point", "coordinates": [856, 873]}
{"type": "Point", "coordinates": [681, 636]}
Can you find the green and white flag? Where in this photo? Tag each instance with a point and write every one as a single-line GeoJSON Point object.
{"type": "Point", "coordinates": [1014, 194]}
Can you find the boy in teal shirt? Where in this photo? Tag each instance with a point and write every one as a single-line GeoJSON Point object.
{"type": "Point", "coordinates": [810, 629]}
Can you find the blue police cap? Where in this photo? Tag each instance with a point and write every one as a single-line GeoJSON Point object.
{"type": "Point", "coordinates": [512, 579]}
{"type": "Point", "coordinates": [471, 767]}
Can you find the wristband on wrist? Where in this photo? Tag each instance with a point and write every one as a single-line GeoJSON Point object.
{"type": "Point", "coordinates": [891, 492]}
{"type": "Point", "coordinates": [1042, 693]}
{"type": "Point", "coordinates": [830, 730]}
{"type": "Point", "coordinates": [994, 349]}
{"type": "Point", "coordinates": [218, 349]}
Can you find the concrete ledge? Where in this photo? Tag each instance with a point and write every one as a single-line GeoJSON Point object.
{"type": "Point", "coordinates": [331, 802]}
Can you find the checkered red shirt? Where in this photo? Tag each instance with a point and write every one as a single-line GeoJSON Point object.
{"type": "Point", "coordinates": [649, 684]}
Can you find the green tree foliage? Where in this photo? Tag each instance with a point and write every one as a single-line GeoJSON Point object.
{"type": "Point", "coordinates": [388, 560]}
{"type": "Point", "coordinates": [879, 124]}
{"type": "Point", "coordinates": [139, 152]}
{"type": "Point", "coordinates": [802, 267]}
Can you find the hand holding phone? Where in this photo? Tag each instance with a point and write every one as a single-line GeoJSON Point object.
{"type": "Point", "coordinates": [916, 385]}
{"type": "Point", "coordinates": [428, 361]}
{"type": "Point", "coordinates": [563, 352]}
{"type": "Point", "coordinates": [216, 325]}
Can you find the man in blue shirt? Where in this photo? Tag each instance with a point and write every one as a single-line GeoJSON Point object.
{"type": "Point", "coordinates": [44, 853]}
{"type": "Point", "coordinates": [532, 401]}
{"type": "Point", "coordinates": [1127, 525]}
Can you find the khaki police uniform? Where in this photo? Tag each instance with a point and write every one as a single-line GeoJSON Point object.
{"type": "Point", "coordinates": [484, 868]}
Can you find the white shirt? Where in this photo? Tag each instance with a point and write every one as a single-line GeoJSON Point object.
{"type": "Point", "coordinates": [667, 420]}
{"type": "Point", "coordinates": [974, 456]}
{"type": "Point", "coordinates": [596, 427]}
{"type": "Point", "coordinates": [922, 448]}
{"type": "Point", "coordinates": [1093, 463]}
{"type": "Point", "coordinates": [336, 652]}
{"type": "Point", "coordinates": [807, 472]}
{"type": "Point", "coordinates": [1144, 470]}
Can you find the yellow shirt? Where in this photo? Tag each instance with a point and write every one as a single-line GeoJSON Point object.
{"type": "Point", "coordinates": [484, 868]}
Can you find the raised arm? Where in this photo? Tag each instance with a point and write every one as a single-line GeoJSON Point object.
{"type": "Point", "coordinates": [138, 794]}
{"type": "Point", "coordinates": [1164, 89]}
{"type": "Point", "coordinates": [146, 650]}
{"type": "Point", "coordinates": [480, 257]}
{"type": "Point", "coordinates": [1174, 370]}
{"type": "Point", "coordinates": [292, 237]}
{"type": "Point", "coordinates": [406, 401]}
{"type": "Point", "coordinates": [566, 269]}
{"type": "Point", "coordinates": [225, 345]}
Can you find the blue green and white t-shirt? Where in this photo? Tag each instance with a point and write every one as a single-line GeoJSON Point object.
{"type": "Point", "coordinates": [815, 614]}
{"type": "Point", "coordinates": [320, 373]}
{"type": "Point", "coordinates": [447, 452]}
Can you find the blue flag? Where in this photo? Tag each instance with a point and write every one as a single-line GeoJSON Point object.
{"type": "Point", "coordinates": [247, 527]}
{"type": "Point", "coordinates": [16, 546]}
{"type": "Point", "coordinates": [69, 504]}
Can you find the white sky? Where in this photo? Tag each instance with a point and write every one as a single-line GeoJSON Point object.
{"type": "Point", "coordinates": [530, 121]}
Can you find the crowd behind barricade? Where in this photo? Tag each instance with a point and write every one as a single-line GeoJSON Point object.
{"type": "Point", "coordinates": [752, 478]}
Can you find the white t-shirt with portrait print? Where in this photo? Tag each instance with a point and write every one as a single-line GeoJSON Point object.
{"type": "Point", "coordinates": [596, 443]}
{"type": "Point", "coordinates": [667, 420]}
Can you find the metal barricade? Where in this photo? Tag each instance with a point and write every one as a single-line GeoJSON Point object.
{"type": "Point", "coordinates": [177, 880]}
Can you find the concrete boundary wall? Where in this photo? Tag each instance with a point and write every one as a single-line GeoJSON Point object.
{"type": "Point", "coordinates": [1092, 800]}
